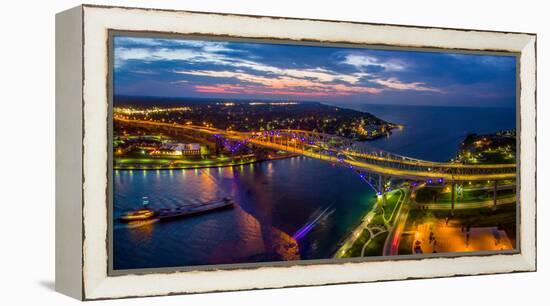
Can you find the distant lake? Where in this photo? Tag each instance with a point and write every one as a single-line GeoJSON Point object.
{"type": "Point", "coordinates": [434, 133]}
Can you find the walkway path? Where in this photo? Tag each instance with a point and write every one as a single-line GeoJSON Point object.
{"type": "Point", "coordinates": [391, 245]}
{"type": "Point", "coordinates": [481, 204]}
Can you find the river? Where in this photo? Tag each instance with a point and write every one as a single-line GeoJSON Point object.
{"type": "Point", "coordinates": [296, 208]}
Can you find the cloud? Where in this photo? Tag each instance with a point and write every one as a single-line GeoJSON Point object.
{"type": "Point", "coordinates": [262, 90]}
{"type": "Point", "coordinates": [144, 71]}
{"type": "Point", "coordinates": [318, 74]}
{"type": "Point", "coordinates": [498, 63]}
{"type": "Point", "coordinates": [282, 82]}
{"type": "Point", "coordinates": [393, 83]}
{"type": "Point", "coordinates": [209, 52]}
{"type": "Point", "coordinates": [179, 82]}
{"type": "Point", "coordinates": [151, 49]}
{"type": "Point", "coordinates": [123, 54]}
{"type": "Point", "coordinates": [286, 82]}
{"type": "Point", "coordinates": [141, 41]}
{"type": "Point", "coordinates": [362, 62]}
{"type": "Point", "coordinates": [207, 46]}
{"type": "Point", "coordinates": [219, 88]}
{"type": "Point", "coordinates": [257, 75]}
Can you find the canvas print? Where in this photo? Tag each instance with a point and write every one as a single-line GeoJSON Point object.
{"type": "Point", "coordinates": [231, 152]}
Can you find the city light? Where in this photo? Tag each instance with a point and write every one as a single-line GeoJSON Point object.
{"type": "Point", "coordinates": [323, 180]}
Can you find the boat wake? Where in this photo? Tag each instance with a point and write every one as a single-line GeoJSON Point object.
{"type": "Point", "coordinates": [134, 224]}
{"type": "Point", "coordinates": [317, 217]}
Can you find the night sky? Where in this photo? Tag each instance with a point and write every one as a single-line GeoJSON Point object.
{"type": "Point", "coordinates": [237, 70]}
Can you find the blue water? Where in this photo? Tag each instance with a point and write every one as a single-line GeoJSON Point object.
{"type": "Point", "coordinates": [434, 133]}
{"type": "Point", "coordinates": [297, 208]}
{"type": "Point", "coordinates": [317, 202]}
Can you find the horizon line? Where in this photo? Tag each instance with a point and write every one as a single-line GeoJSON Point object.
{"type": "Point", "coordinates": [312, 101]}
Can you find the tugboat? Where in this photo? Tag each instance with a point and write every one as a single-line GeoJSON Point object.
{"type": "Point", "coordinates": [145, 213]}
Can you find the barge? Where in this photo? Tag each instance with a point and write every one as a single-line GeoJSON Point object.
{"type": "Point", "coordinates": [181, 211]}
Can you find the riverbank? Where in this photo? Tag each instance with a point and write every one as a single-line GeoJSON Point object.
{"type": "Point", "coordinates": [273, 197]}
{"type": "Point", "coordinates": [386, 134]}
{"type": "Point", "coordinates": [369, 237]}
{"type": "Point", "coordinates": [167, 164]}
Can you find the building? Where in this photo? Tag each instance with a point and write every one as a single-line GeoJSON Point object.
{"type": "Point", "coordinates": [191, 149]}
{"type": "Point", "coordinates": [179, 149]}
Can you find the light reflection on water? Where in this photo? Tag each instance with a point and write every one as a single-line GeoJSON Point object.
{"type": "Point", "coordinates": [274, 201]}
{"type": "Point", "coordinates": [277, 200]}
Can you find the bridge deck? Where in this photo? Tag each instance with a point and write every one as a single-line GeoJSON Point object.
{"type": "Point", "coordinates": [395, 172]}
{"type": "Point", "coordinates": [396, 166]}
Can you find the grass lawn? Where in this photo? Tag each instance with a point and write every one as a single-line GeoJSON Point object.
{"type": "Point", "coordinates": [378, 219]}
{"type": "Point", "coordinates": [141, 161]}
{"type": "Point", "coordinates": [428, 194]}
{"type": "Point", "coordinates": [497, 157]}
{"type": "Point", "coordinates": [391, 202]}
{"type": "Point", "coordinates": [355, 250]}
{"type": "Point", "coordinates": [376, 246]}
{"type": "Point", "coordinates": [175, 162]}
{"type": "Point", "coordinates": [505, 214]}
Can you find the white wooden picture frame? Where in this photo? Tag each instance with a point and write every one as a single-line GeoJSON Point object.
{"type": "Point", "coordinates": [82, 121]}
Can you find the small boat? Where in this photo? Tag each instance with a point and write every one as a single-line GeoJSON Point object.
{"type": "Point", "coordinates": [144, 213]}
{"type": "Point", "coordinates": [138, 215]}
{"type": "Point", "coordinates": [184, 211]}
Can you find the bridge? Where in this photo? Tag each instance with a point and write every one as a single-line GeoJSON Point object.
{"type": "Point", "coordinates": [373, 165]}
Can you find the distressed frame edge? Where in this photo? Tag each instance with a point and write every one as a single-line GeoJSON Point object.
{"type": "Point", "coordinates": [100, 6]}
{"type": "Point", "coordinates": [68, 153]}
{"type": "Point", "coordinates": [528, 151]}
{"type": "Point", "coordinates": [167, 270]}
{"type": "Point", "coordinates": [525, 261]}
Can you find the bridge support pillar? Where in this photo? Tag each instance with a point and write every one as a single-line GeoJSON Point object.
{"type": "Point", "coordinates": [381, 189]}
{"type": "Point", "coordinates": [495, 184]}
{"type": "Point", "coordinates": [452, 198]}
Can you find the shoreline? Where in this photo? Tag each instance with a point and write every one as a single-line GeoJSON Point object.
{"type": "Point", "coordinates": [190, 167]}
{"type": "Point", "coordinates": [366, 220]}
{"type": "Point", "coordinates": [389, 133]}
{"type": "Point", "coordinates": [353, 235]}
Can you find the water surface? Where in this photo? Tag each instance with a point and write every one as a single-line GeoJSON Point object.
{"type": "Point", "coordinates": [297, 208]}
{"type": "Point", "coordinates": [433, 132]}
